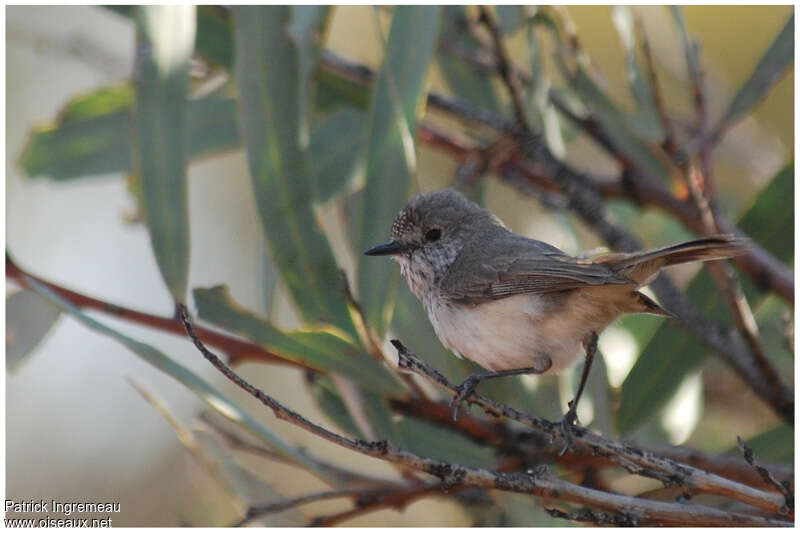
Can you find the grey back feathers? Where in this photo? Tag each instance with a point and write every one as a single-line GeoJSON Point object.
{"type": "Point", "coordinates": [470, 256]}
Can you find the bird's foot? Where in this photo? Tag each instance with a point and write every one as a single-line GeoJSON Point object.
{"type": "Point", "coordinates": [569, 420]}
{"type": "Point", "coordinates": [462, 393]}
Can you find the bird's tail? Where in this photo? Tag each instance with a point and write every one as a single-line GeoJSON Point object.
{"type": "Point", "coordinates": [642, 266]}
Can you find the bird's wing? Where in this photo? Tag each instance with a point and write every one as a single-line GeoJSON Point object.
{"type": "Point", "coordinates": [503, 267]}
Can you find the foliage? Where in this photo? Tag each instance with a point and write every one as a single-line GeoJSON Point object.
{"type": "Point", "coordinates": [314, 134]}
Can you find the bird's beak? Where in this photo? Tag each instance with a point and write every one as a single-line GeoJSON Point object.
{"type": "Point", "coordinates": [387, 248]}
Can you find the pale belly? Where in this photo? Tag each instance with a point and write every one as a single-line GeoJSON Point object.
{"type": "Point", "coordinates": [520, 331]}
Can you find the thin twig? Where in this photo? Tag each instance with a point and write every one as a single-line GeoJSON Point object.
{"type": "Point", "coordinates": [238, 350]}
{"type": "Point", "coordinates": [782, 486]}
{"type": "Point", "coordinates": [370, 338]}
{"type": "Point", "coordinates": [532, 447]}
{"type": "Point", "coordinates": [589, 204]}
{"type": "Point", "coordinates": [596, 517]}
{"type": "Point", "coordinates": [670, 143]}
{"type": "Point", "coordinates": [539, 482]}
{"type": "Point", "coordinates": [636, 461]}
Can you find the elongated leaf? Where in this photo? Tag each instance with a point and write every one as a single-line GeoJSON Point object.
{"type": "Point", "coordinates": [29, 318]}
{"type": "Point", "coordinates": [541, 108]}
{"type": "Point", "coordinates": [671, 354]}
{"type": "Point", "coordinates": [390, 164]}
{"type": "Point", "coordinates": [306, 25]}
{"type": "Point", "coordinates": [463, 79]}
{"type": "Point", "coordinates": [510, 18]}
{"type": "Point", "coordinates": [330, 402]}
{"type": "Point", "coordinates": [335, 90]}
{"type": "Point", "coordinates": [437, 442]}
{"type": "Point", "coordinates": [335, 153]}
{"type": "Point", "coordinates": [317, 349]}
{"type": "Point", "coordinates": [165, 40]}
{"type": "Point", "coordinates": [647, 116]}
{"type": "Point", "coordinates": [184, 376]}
{"type": "Point", "coordinates": [269, 78]}
{"type": "Point", "coordinates": [778, 58]}
{"type": "Point", "coordinates": [93, 135]}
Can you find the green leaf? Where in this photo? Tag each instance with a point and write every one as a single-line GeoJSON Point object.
{"type": "Point", "coordinates": [397, 98]}
{"type": "Point", "coordinates": [646, 119]}
{"type": "Point", "coordinates": [214, 40]}
{"type": "Point", "coordinates": [328, 400]}
{"type": "Point", "coordinates": [165, 40]}
{"type": "Point", "coordinates": [306, 24]}
{"type": "Point", "coordinates": [775, 445]}
{"type": "Point", "coordinates": [510, 18]}
{"type": "Point", "coordinates": [439, 443]}
{"type": "Point", "coordinates": [268, 73]}
{"type": "Point", "coordinates": [29, 318]}
{"type": "Point", "coordinates": [778, 58]}
{"type": "Point", "coordinates": [92, 135]}
{"type": "Point", "coordinates": [671, 354]}
{"type": "Point", "coordinates": [185, 377]}
{"type": "Point", "coordinates": [464, 79]}
{"type": "Point", "coordinates": [541, 108]}
{"type": "Point", "coordinates": [323, 350]}
{"type": "Point", "coordinates": [335, 150]}
{"type": "Point", "coordinates": [335, 90]}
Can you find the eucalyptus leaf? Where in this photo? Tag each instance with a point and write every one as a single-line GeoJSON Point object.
{"type": "Point", "coordinates": [93, 135]}
{"type": "Point", "coordinates": [463, 79]}
{"type": "Point", "coordinates": [397, 98]}
{"type": "Point", "coordinates": [647, 120]}
{"type": "Point", "coordinates": [775, 62]}
{"type": "Point", "coordinates": [29, 318]}
{"type": "Point", "coordinates": [270, 82]}
{"type": "Point", "coordinates": [184, 376]}
{"type": "Point", "coordinates": [165, 41]}
{"type": "Point", "coordinates": [322, 350]}
{"type": "Point", "coordinates": [671, 354]}
{"type": "Point", "coordinates": [336, 149]}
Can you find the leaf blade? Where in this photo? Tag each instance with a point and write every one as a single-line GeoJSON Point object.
{"type": "Point", "coordinates": [165, 40]}
{"type": "Point", "coordinates": [388, 169]}
{"type": "Point", "coordinates": [671, 354]}
{"type": "Point", "coordinates": [269, 77]}
{"type": "Point", "coordinates": [770, 69]}
{"type": "Point", "coordinates": [183, 375]}
{"type": "Point", "coordinates": [29, 318]}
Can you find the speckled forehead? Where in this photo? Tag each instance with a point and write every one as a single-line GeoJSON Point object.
{"type": "Point", "coordinates": [402, 223]}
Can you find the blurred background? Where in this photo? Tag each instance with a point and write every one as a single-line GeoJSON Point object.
{"type": "Point", "coordinates": [77, 430]}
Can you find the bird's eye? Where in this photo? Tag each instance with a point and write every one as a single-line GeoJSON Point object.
{"type": "Point", "coordinates": [433, 234]}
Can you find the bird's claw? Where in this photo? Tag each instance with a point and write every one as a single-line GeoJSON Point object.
{"type": "Point", "coordinates": [462, 393]}
{"type": "Point", "coordinates": [569, 420]}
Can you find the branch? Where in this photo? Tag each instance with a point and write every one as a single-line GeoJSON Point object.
{"type": "Point", "coordinates": [587, 202]}
{"type": "Point", "coordinates": [237, 350]}
{"type": "Point", "coordinates": [537, 446]}
{"type": "Point", "coordinates": [767, 476]}
{"type": "Point", "coordinates": [764, 268]}
{"type": "Point", "coordinates": [634, 460]}
{"type": "Point", "coordinates": [539, 482]}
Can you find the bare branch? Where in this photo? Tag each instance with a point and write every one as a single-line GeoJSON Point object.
{"type": "Point", "coordinates": [636, 461]}
{"type": "Point", "coordinates": [587, 202]}
{"type": "Point", "coordinates": [237, 350]}
{"type": "Point", "coordinates": [596, 517]}
{"type": "Point", "coordinates": [766, 475]}
{"type": "Point", "coordinates": [539, 482]}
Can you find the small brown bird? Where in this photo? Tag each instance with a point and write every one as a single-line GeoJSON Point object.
{"type": "Point", "coordinates": [516, 305]}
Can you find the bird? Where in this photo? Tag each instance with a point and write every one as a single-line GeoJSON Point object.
{"type": "Point", "coordinates": [515, 305]}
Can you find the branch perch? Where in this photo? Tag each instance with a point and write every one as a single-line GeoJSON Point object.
{"type": "Point", "coordinates": [539, 482]}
